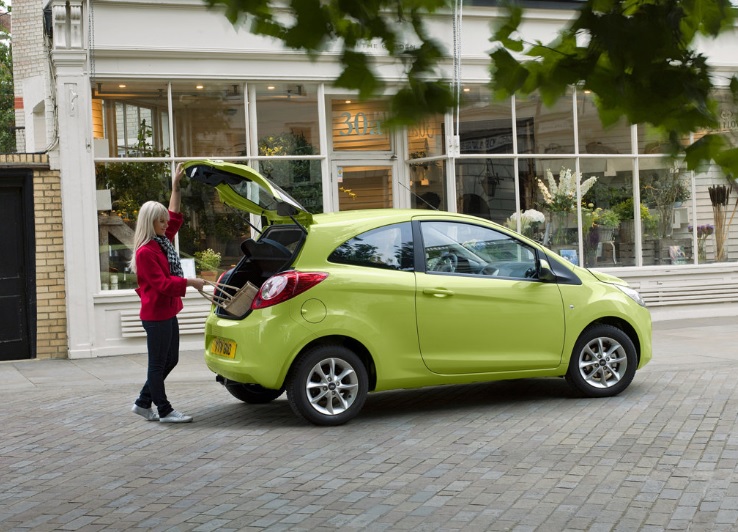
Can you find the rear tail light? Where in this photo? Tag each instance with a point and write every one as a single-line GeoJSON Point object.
{"type": "Point", "coordinates": [284, 286]}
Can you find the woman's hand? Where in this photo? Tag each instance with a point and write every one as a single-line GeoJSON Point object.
{"type": "Point", "coordinates": [176, 198]}
{"type": "Point", "coordinates": [178, 174]}
{"type": "Point", "coordinates": [196, 283]}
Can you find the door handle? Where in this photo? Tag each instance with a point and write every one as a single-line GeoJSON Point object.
{"type": "Point", "coordinates": [438, 292]}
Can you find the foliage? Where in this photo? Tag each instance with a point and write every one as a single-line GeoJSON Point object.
{"type": "Point", "coordinates": [301, 179]}
{"type": "Point", "coordinates": [602, 51]}
{"type": "Point", "coordinates": [398, 25]}
{"type": "Point", "coordinates": [208, 259]}
{"type": "Point", "coordinates": [133, 184]}
{"type": "Point", "coordinates": [606, 218]}
{"type": "Point", "coordinates": [7, 96]}
{"type": "Point", "coordinates": [665, 188]}
{"type": "Point", "coordinates": [625, 211]}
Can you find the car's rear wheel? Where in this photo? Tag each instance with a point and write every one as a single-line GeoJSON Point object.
{"type": "Point", "coordinates": [603, 362]}
{"type": "Point", "coordinates": [253, 394]}
{"type": "Point", "coordinates": [328, 385]}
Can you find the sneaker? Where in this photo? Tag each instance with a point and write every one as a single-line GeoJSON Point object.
{"type": "Point", "coordinates": [175, 417]}
{"type": "Point", "coordinates": [147, 413]}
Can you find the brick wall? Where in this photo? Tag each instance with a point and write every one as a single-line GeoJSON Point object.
{"type": "Point", "coordinates": [51, 339]}
{"type": "Point", "coordinates": [30, 60]}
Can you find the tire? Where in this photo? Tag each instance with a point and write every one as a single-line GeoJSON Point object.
{"type": "Point", "coordinates": [603, 362]}
{"type": "Point", "coordinates": [328, 385]}
{"type": "Point", "coordinates": [252, 394]}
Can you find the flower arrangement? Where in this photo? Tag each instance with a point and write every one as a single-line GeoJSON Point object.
{"type": "Point", "coordinates": [703, 231]}
{"type": "Point", "coordinates": [530, 221]}
{"type": "Point", "coordinates": [561, 199]}
{"type": "Point", "coordinates": [562, 196]}
{"type": "Point", "coordinates": [208, 259]}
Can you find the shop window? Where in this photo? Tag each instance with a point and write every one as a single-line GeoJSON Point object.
{"type": "Point", "coordinates": [485, 126]}
{"type": "Point", "coordinates": [287, 119]}
{"type": "Point", "coordinates": [426, 142]}
{"type": "Point", "coordinates": [300, 178]}
{"type": "Point", "coordinates": [594, 138]}
{"type": "Point", "coordinates": [359, 126]}
{"type": "Point", "coordinates": [208, 223]}
{"type": "Point", "coordinates": [209, 119]}
{"type": "Point", "coordinates": [486, 188]}
{"type": "Point", "coordinates": [542, 129]}
{"type": "Point", "coordinates": [130, 119]}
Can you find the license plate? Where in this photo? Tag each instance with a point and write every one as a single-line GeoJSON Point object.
{"type": "Point", "coordinates": [223, 348]}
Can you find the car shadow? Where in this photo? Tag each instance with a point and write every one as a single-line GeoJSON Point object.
{"type": "Point", "coordinates": [395, 404]}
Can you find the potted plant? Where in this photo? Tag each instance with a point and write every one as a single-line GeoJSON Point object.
{"type": "Point", "coordinates": [624, 210]}
{"type": "Point", "coordinates": [606, 221]}
{"type": "Point", "coordinates": [208, 262]}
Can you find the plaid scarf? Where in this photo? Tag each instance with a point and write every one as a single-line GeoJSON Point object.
{"type": "Point", "coordinates": [175, 267]}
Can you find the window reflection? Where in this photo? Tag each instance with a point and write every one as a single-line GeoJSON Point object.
{"type": "Point", "coordinates": [130, 119]}
{"type": "Point", "coordinates": [486, 188]}
{"type": "Point", "coordinates": [209, 119]}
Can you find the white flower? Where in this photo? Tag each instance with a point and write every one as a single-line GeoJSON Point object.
{"type": "Point", "coordinates": [562, 196]}
{"type": "Point", "coordinates": [533, 216]}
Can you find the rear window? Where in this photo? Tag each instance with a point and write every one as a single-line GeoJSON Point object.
{"type": "Point", "coordinates": [389, 248]}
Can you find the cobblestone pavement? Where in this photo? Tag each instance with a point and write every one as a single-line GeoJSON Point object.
{"type": "Point", "coordinates": [518, 455]}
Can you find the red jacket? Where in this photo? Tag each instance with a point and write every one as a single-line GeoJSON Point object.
{"type": "Point", "coordinates": [161, 292]}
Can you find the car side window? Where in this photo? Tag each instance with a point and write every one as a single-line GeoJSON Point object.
{"type": "Point", "coordinates": [463, 248]}
{"type": "Point", "coordinates": [389, 247]}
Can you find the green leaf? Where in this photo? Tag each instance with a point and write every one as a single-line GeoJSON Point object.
{"type": "Point", "coordinates": [508, 75]}
{"type": "Point", "coordinates": [703, 151]}
{"type": "Point", "coordinates": [727, 159]}
{"type": "Point", "coordinates": [509, 26]}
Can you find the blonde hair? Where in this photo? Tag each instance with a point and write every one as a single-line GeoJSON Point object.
{"type": "Point", "coordinates": [147, 215]}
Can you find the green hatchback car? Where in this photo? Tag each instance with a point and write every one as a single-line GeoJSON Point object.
{"type": "Point", "coordinates": [360, 301]}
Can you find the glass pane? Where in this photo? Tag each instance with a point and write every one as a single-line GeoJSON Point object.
{"type": "Point", "coordinates": [603, 205]}
{"type": "Point", "coordinates": [359, 126]}
{"type": "Point", "coordinates": [130, 118]}
{"type": "Point", "coordinates": [124, 187]}
{"type": "Point", "coordinates": [426, 139]}
{"type": "Point", "coordinates": [209, 119]}
{"type": "Point", "coordinates": [593, 136]}
{"type": "Point", "coordinates": [428, 184]}
{"type": "Point", "coordinates": [301, 179]}
{"type": "Point", "coordinates": [208, 223]}
{"type": "Point", "coordinates": [364, 187]}
{"type": "Point", "coordinates": [716, 204]}
{"type": "Point", "coordinates": [485, 188]}
{"type": "Point", "coordinates": [665, 190]}
{"type": "Point", "coordinates": [473, 250]}
{"type": "Point", "coordinates": [558, 201]}
{"type": "Point", "coordinates": [485, 126]}
{"type": "Point", "coordinates": [544, 129]}
{"type": "Point", "coordinates": [389, 247]}
{"type": "Point", "coordinates": [287, 119]}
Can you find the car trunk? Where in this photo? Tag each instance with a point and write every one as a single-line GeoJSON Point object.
{"type": "Point", "coordinates": [273, 252]}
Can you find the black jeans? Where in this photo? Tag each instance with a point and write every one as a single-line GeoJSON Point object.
{"type": "Point", "coordinates": [162, 340]}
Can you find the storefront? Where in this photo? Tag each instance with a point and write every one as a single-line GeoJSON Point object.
{"type": "Point", "coordinates": [193, 87]}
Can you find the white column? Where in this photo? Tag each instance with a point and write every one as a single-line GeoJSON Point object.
{"type": "Point", "coordinates": [79, 214]}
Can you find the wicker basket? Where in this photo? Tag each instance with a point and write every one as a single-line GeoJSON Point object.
{"type": "Point", "coordinates": [235, 304]}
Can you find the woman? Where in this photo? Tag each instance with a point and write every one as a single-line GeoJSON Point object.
{"type": "Point", "coordinates": [161, 286]}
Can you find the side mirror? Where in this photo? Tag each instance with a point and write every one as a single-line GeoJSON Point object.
{"type": "Point", "coordinates": [545, 273]}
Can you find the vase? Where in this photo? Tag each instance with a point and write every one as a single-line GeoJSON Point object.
{"type": "Point", "coordinates": [702, 250]}
{"type": "Point", "coordinates": [560, 228]}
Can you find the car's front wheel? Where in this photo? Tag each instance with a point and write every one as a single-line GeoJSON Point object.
{"type": "Point", "coordinates": [252, 394]}
{"type": "Point", "coordinates": [328, 386]}
{"type": "Point", "coordinates": [603, 362]}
